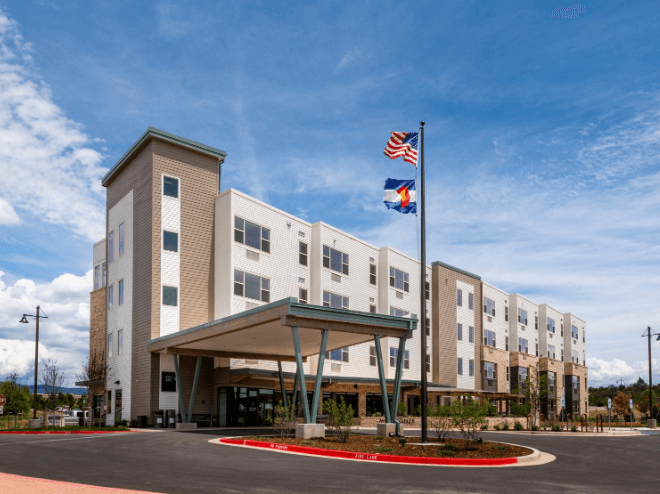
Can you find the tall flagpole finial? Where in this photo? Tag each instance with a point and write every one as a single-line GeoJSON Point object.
{"type": "Point", "coordinates": [422, 123]}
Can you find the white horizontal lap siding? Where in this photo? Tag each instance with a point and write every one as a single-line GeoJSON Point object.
{"type": "Point", "coordinates": [497, 324]}
{"type": "Point", "coordinates": [529, 333]}
{"type": "Point", "coordinates": [281, 265]}
{"type": "Point", "coordinates": [223, 245]}
{"type": "Point", "coordinates": [410, 302]}
{"type": "Point", "coordinates": [546, 338]}
{"type": "Point", "coordinates": [569, 343]}
{"type": "Point", "coordinates": [170, 263]}
{"type": "Point", "coordinates": [167, 400]}
{"type": "Point", "coordinates": [356, 287]}
{"type": "Point", "coordinates": [465, 349]}
{"type": "Point", "coordinates": [121, 316]}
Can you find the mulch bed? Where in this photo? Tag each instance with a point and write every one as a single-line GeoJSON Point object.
{"type": "Point", "coordinates": [451, 448]}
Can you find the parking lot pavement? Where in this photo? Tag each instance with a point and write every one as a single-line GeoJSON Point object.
{"type": "Point", "coordinates": [174, 462]}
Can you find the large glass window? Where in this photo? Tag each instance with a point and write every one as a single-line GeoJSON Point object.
{"type": "Point", "coordinates": [460, 366]}
{"type": "Point", "coordinates": [252, 235]}
{"type": "Point", "coordinates": [302, 253]}
{"type": "Point", "coordinates": [121, 239]}
{"type": "Point", "coordinates": [574, 357]}
{"type": "Point", "coordinates": [97, 277]}
{"type": "Point", "coordinates": [120, 341]}
{"type": "Point", "coordinates": [335, 260]}
{"type": "Point", "coordinates": [551, 351]}
{"type": "Point", "coordinates": [341, 354]}
{"type": "Point", "coordinates": [459, 298]}
{"type": "Point", "coordinates": [373, 358]}
{"type": "Point", "coordinates": [489, 306]}
{"type": "Point", "coordinates": [171, 187]}
{"type": "Point", "coordinates": [471, 334]}
{"type": "Point", "coordinates": [459, 331]}
{"type": "Point", "coordinates": [121, 292]}
{"type": "Point", "coordinates": [251, 286]}
{"type": "Point", "coordinates": [398, 312]}
{"type": "Point", "coordinates": [110, 345]}
{"type": "Point", "coordinates": [399, 279]}
{"type": "Point", "coordinates": [574, 332]}
{"type": "Point", "coordinates": [522, 316]}
{"type": "Point", "coordinates": [104, 275]}
{"type": "Point", "coordinates": [170, 241]}
{"type": "Point", "coordinates": [471, 367]}
{"type": "Point", "coordinates": [523, 345]}
{"type": "Point", "coordinates": [394, 353]}
{"type": "Point", "coordinates": [170, 296]}
{"type": "Point", "coordinates": [335, 301]}
{"type": "Point", "coordinates": [489, 370]}
{"type": "Point", "coordinates": [551, 325]}
{"type": "Point", "coordinates": [302, 295]}
{"type": "Point", "coordinates": [471, 301]}
{"type": "Point", "coordinates": [372, 274]}
{"type": "Point", "coordinates": [111, 246]}
{"type": "Point", "coordinates": [490, 338]}
{"type": "Point", "coordinates": [168, 382]}
{"type": "Point", "coordinates": [111, 296]}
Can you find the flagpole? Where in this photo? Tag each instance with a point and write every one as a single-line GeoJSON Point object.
{"type": "Point", "coordinates": [424, 399]}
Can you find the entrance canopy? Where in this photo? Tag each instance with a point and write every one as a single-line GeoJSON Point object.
{"type": "Point", "coordinates": [264, 333]}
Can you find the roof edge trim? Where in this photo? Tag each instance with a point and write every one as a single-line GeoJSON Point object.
{"type": "Point", "coordinates": [458, 270]}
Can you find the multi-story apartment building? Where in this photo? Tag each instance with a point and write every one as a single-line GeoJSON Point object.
{"type": "Point", "coordinates": [179, 252]}
{"type": "Point", "coordinates": [551, 358]}
{"type": "Point", "coordinates": [575, 360]}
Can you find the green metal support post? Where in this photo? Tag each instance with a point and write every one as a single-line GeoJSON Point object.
{"type": "Point", "coordinates": [294, 398]}
{"type": "Point", "coordinates": [285, 400]}
{"type": "Point", "coordinates": [383, 384]}
{"type": "Point", "coordinates": [179, 390]}
{"type": "Point", "coordinates": [301, 373]}
{"type": "Point", "coordinates": [397, 377]}
{"type": "Point", "coordinates": [194, 388]}
{"type": "Point", "coordinates": [319, 376]}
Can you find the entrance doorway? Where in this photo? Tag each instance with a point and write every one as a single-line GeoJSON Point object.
{"type": "Point", "coordinates": [243, 407]}
{"type": "Point", "coordinates": [413, 403]}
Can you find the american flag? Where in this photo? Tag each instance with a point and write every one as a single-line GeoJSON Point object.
{"type": "Point", "coordinates": [403, 144]}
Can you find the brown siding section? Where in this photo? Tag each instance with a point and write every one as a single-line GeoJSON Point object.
{"type": "Point", "coordinates": [97, 324]}
{"type": "Point", "coordinates": [498, 357]}
{"type": "Point", "coordinates": [198, 176]}
{"type": "Point", "coordinates": [444, 325]}
{"type": "Point", "coordinates": [137, 175]}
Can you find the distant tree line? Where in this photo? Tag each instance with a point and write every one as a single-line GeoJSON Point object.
{"type": "Point", "coordinates": [621, 394]}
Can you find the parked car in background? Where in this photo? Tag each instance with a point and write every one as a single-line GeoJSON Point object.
{"type": "Point", "coordinates": [71, 418]}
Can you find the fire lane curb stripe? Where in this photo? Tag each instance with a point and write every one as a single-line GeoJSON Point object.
{"type": "Point", "coordinates": [351, 455]}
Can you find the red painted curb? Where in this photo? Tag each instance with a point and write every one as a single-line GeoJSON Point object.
{"type": "Point", "coordinates": [351, 455]}
{"type": "Point", "coordinates": [63, 432]}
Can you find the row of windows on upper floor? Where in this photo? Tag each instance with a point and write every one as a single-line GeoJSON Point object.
{"type": "Point", "coordinates": [120, 343]}
{"type": "Point", "coordinates": [523, 345]}
{"type": "Point", "coordinates": [343, 355]}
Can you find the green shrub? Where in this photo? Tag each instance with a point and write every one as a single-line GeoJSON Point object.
{"type": "Point", "coordinates": [499, 447]}
{"type": "Point", "coordinates": [556, 427]}
{"type": "Point", "coordinates": [341, 420]}
{"type": "Point", "coordinates": [451, 447]}
{"type": "Point", "coordinates": [484, 427]}
{"type": "Point", "coordinates": [505, 426]}
{"type": "Point", "coordinates": [402, 409]}
{"type": "Point", "coordinates": [308, 441]}
{"type": "Point", "coordinates": [283, 418]}
{"type": "Point", "coordinates": [383, 449]}
{"type": "Point", "coordinates": [468, 417]}
{"type": "Point", "coordinates": [519, 410]}
{"type": "Point", "coordinates": [444, 452]}
{"type": "Point", "coordinates": [535, 427]}
{"type": "Point", "coordinates": [574, 428]}
{"type": "Point", "coordinates": [441, 422]}
{"type": "Point", "coordinates": [497, 427]}
{"type": "Point", "coordinates": [379, 438]}
{"type": "Point", "coordinates": [518, 426]}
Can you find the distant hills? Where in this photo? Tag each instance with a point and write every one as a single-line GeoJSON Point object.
{"type": "Point", "coordinates": [73, 391]}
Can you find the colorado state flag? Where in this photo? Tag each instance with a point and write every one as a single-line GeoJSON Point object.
{"type": "Point", "coordinates": [400, 195]}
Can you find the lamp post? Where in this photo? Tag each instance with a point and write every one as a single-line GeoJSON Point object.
{"type": "Point", "coordinates": [36, 355]}
{"type": "Point", "coordinates": [648, 333]}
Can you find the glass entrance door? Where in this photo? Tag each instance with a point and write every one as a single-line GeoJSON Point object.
{"type": "Point", "coordinates": [243, 407]}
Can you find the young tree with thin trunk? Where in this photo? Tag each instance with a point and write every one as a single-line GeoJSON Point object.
{"type": "Point", "coordinates": [535, 390]}
{"type": "Point", "coordinates": [94, 372]}
{"type": "Point", "coordinates": [51, 379]}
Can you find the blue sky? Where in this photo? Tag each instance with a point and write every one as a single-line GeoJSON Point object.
{"type": "Point", "coordinates": [542, 142]}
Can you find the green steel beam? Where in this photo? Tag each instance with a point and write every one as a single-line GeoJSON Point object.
{"type": "Point", "coordinates": [319, 375]}
{"type": "Point", "coordinates": [301, 373]}
{"type": "Point", "coordinates": [285, 401]}
{"type": "Point", "coordinates": [383, 384]}
{"type": "Point", "coordinates": [397, 377]}
{"type": "Point", "coordinates": [194, 388]}
{"type": "Point", "coordinates": [294, 398]}
{"type": "Point", "coordinates": [179, 389]}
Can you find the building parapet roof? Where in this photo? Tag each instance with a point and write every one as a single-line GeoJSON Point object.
{"type": "Point", "coordinates": [458, 270]}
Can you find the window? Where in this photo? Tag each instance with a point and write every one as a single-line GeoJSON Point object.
{"type": "Point", "coordinates": [506, 312]}
{"type": "Point", "coordinates": [394, 352]}
{"type": "Point", "coordinates": [507, 373]}
{"type": "Point", "coordinates": [471, 301]}
{"type": "Point", "coordinates": [490, 338]}
{"type": "Point", "coordinates": [522, 375]}
{"type": "Point", "coordinates": [110, 296]}
{"type": "Point", "coordinates": [335, 260]}
{"type": "Point", "coordinates": [120, 341]}
{"type": "Point", "coordinates": [523, 345]}
{"type": "Point", "coordinates": [335, 301]}
{"type": "Point", "coordinates": [372, 356]}
{"type": "Point", "coordinates": [171, 187]}
{"type": "Point", "coordinates": [110, 345]}
{"type": "Point", "coordinates": [551, 325]}
{"type": "Point", "coordinates": [121, 239]}
{"type": "Point", "coordinates": [372, 274]}
{"type": "Point", "coordinates": [121, 292]}
{"type": "Point", "coordinates": [427, 290]}
{"type": "Point", "coordinates": [111, 246]}
{"type": "Point", "coordinates": [399, 279]}
{"type": "Point", "coordinates": [398, 312]}
{"type": "Point", "coordinates": [574, 332]}
{"type": "Point", "coordinates": [522, 316]}
{"type": "Point", "coordinates": [459, 298]}
{"type": "Point", "coordinates": [574, 357]}
{"type": "Point", "coordinates": [489, 370]}
{"type": "Point", "coordinates": [97, 277]}
{"type": "Point", "coordinates": [427, 361]}
{"type": "Point", "coordinates": [168, 382]}
{"type": "Point", "coordinates": [302, 253]}
{"type": "Point", "coordinates": [104, 275]}
{"type": "Point", "coordinates": [302, 295]}
{"type": "Point", "coordinates": [219, 174]}
{"type": "Point", "coordinates": [427, 322]}
{"type": "Point", "coordinates": [460, 366]}
{"type": "Point", "coordinates": [372, 308]}
{"type": "Point", "coordinates": [562, 329]}
{"type": "Point", "coordinates": [506, 343]}
{"type": "Point", "coordinates": [251, 235]}
{"type": "Point", "coordinates": [471, 334]}
{"type": "Point", "coordinates": [251, 286]}
{"type": "Point", "coordinates": [537, 349]}
{"type": "Point", "coordinates": [552, 378]}
{"type": "Point", "coordinates": [536, 322]}
{"type": "Point", "coordinates": [489, 306]}
{"type": "Point", "coordinates": [459, 332]}
{"type": "Point", "coordinates": [340, 355]}
{"type": "Point", "coordinates": [562, 354]}
{"type": "Point", "coordinates": [170, 241]}
{"type": "Point", "coordinates": [576, 382]}
{"type": "Point", "coordinates": [170, 296]}
{"type": "Point", "coordinates": [471, 367]}
{"type": "Point", "coordinates": [551, 351]}
{"type": "Point", "coordinates": [583, 336]}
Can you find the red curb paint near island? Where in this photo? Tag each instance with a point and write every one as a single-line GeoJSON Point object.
{"type": "Point", "coordinates": [351, 455]}
{"type": "Point", "coordinates": [64, 432]}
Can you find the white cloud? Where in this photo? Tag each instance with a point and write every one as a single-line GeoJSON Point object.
{"type": "Point", "coordinates": [7, 214]}
{"type": "Point", "coordinates": [64, 335]}
{"type": "Point", "coordinates": [47, 165]}
{"type": "Point", "coordinates": [605, 372]}
{"type": "Point", "coordinates": [348, 59]}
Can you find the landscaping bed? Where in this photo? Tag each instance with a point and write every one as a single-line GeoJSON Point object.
{"type": "Point", "coordinates": [451, 448]}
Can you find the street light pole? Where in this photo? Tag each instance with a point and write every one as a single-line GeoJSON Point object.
{"type": "Point", "coordinates": [36, 355]}
{"type": "Point", "coordinates": [648, 333]}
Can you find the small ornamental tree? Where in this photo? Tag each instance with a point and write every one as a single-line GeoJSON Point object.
{"type": "Point", "coordinates": [52, 380]}
{"type": "Point", "coordinates": [621, 404]}
{"type": "Point", "coordinates": [340, 418]}
{"type": "Point", "coordinates": [535, 390]}
{"type": "Point", "coordinates": [441, 422]}
{"type": "Point", "coordinates": [283, 418]}
{"type": "Point", "coordinates": [468, 418]}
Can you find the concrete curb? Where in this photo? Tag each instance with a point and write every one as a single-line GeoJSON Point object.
{"type": "Point", "coordinates": [532, 459]}
{"type": "Point", "coordinates": [60, 432]}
